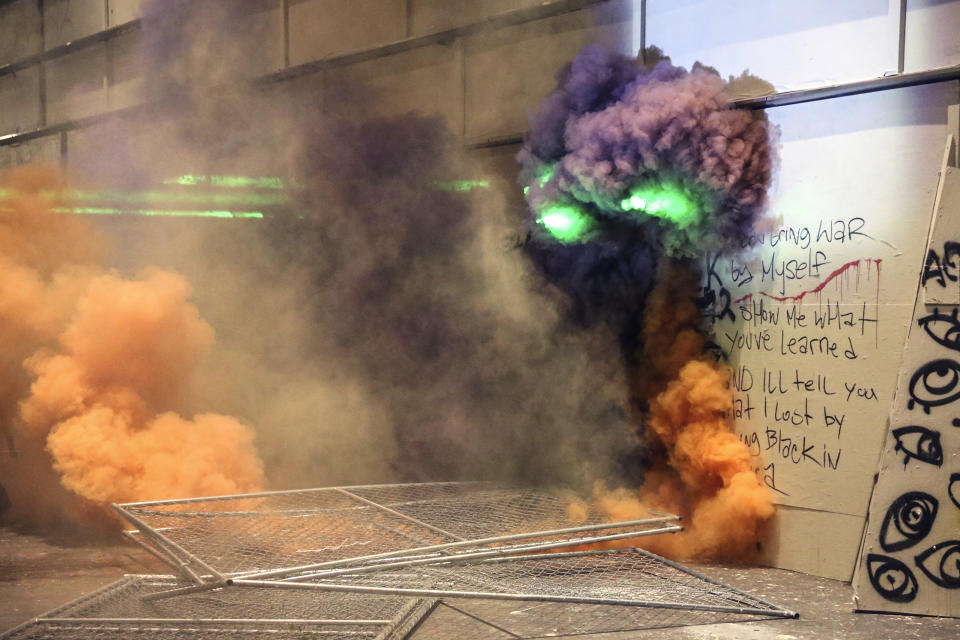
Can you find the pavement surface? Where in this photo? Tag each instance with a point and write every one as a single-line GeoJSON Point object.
{"type": "Point", "coordinates": [38, 574]}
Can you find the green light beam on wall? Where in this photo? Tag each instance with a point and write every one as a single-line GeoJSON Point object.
{"type": "Point", "coordinates": [220, 200]}
{"type": "Point", "coordinates": [231, 182]}
{"type": "Point", "coordinates": [666, 201]}
{"type": "Point", "coordinates": [157, 212]}
{"type": "Point", "coordinates": [461, 185]}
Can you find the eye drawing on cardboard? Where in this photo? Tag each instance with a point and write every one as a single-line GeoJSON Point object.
{"type": "Point", "coordinates": [953, 490]}
{"type": "Point", "coordinates": [908, 520]}
{"type": "Point", "coordinates": [935, 384]}
{"type": "Point", "coordinates": [919, 443]}
{"type": "Point", "coordinates": [943, 328]}
{"type": "Point", "coordinates": [891, 578]}
{"type": "Point", "coordinates": [941, 563]}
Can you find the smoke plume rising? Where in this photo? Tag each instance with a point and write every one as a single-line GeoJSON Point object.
{"type": "Point", "coordinates": [629, 172]}
{"type": "Point", "coordinates": [375, 328]}
{"type": "Point", "coordinates": [93, 366]}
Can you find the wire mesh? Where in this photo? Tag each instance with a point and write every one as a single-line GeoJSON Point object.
{"type": "Point", "coordinates": [52, 629]}
{"type": "Point", "coordinates": [556, 619]}
{"type": "Point", "coordinates": [120, 611]}
{"type": "Point", "coordinates": [273, 532]}
{"type": "Point", "coordinates": [445, 623]}
{"type": "Point", "coordinates": [124, 600]}
{"type": "Point", "coordinates": [622, 576]}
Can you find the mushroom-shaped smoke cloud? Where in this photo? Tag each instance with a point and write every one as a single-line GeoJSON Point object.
{"type": "Point", "coordinates": [620, 145]}
{"type": "Point", "coordinates": [630, 172]}
{"type": "Point", "coordinates": [625, 162]}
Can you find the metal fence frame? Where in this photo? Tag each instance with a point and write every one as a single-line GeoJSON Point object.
{"type": "Point", "coordinates": [204, 576]}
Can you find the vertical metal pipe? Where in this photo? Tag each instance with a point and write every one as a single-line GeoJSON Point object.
{"type": "Point", "coordinates": [901, 45]}
{"type": "Point", "coordinates": [643, 27]}
{"type": "Point", "coordinates": [286, 33]}
{"type": "Point", "coordinates": [42, 68]}
{"type": "Point", "coordinates": [63, 150]}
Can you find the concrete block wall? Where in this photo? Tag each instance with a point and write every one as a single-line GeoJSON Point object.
{"type": "Point", "coordinates": [20, 22]}
{"type": "Point", "coordinates": [20, 108]}
{"type": "Point", "coordinates": [482, 82]}
{"type": "Point", "coordinates": [67, 20]}
{"type": "Point", "coordinates": [509, 71]}
{"type": "Point", "coordinates": [321, 28]}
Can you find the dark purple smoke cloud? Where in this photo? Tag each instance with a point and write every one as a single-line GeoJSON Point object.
{"type": "Point", "coordinates": [614, 136]}
{"type": "Point", "coordinates": [625, 163]}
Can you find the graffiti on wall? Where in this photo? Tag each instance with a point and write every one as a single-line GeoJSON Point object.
{"type": "Point", "coordinates": [796, 317]}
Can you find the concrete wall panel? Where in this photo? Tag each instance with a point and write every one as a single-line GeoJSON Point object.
{"type": "Point", "coordinates": [258, 38]}
{"type": "Point", "coordinates": [427, 80]}
{"type": "Point", "coordinates": [67, 20]}
{"type": "Point", "coordinates": [41, 151]}
{"type": "Point", "coordinates": [76, 84]}
{"type": "Point", "coordinates": [430, 16]}
{"type": "Point", "coordinates": [301, 95]}
{"type": "Point", "coordinates": [794, 45]}
{"type": "Point", "coordinates": [509, 71]}
{"type": "Point", "coordinates": [931, 35]}
{"type": "Point", "coordinates": [126, 71]}
{"type": "Point", "coordinates": [20, 30]}
{"type": "Point", "coordinates": [121, 11]}
{"type": "Point", "coordinates": [320, 28]}
{"type": "Point", "coordinates": [20, 101]}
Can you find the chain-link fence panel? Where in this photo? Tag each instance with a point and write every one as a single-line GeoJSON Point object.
{"type": "Point", "coordinates": [616, 577]}
{"type": "Point", "coordinates": [121, 610]}
{"type": "Point", "coordinates": [272, 534]}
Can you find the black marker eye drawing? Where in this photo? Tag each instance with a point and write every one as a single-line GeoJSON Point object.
{"type": "Point", "coordinates": [935, 384]}
{"type": "Point", "coordinates": [919, 443]}
{"type": "Point", "coordinates": [908, 520]}
{"type": "Point", "coordinates": [943, 328]}
{"type": "Point", "coordinates": [954, 489]}
{"type": "Point", "coordinates": [941, 563]}
{"type": "Point", "coordinates": [891, 578]}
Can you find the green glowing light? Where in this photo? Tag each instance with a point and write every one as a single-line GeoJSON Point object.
{"type": "Point", "coordinates": [193, 199]}
{"type": "Point", "coordinates": [462, 185]}
{"type": "Point", "coordinates": [663, 201]}
{"type": "Point", "coordinates": [545, 173]}
{"type": "Point", "coordinates": [201, 198]}
{"type": "Point", "coordinates": [542, 175]}
{"type": "Point", "coordinates": [232, 182]}
{"type": "Point", "coordinates": [567, 223]}
{"type": "Point", "coordinates": [157, 212]}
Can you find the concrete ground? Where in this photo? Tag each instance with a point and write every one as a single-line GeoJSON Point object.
{"type": "Point", "coordinates": [37, 575]}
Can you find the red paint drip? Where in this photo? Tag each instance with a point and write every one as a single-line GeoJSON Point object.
{"type": "Point", "coordinates": [830, 278]}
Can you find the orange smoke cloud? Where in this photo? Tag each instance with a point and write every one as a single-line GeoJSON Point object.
{"type": "Point", "coordinates": [99, 403]}
{"type": "Point", "coordinates": [95, 365]}
{"type": "Point", "coordinates": [701, 469]}
{"type": "Point", "coordinates": [706, 475]}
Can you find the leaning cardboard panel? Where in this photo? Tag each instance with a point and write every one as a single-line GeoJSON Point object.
{"type": "Point", "coordinates": [910, 555]}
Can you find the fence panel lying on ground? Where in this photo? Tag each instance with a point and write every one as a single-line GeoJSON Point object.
{"type": "Point", "coordinates": [120, 611]}
{"type": "Point", "coordinates": [374, 562]}
{"type": "Point", "coordinates": [285, 532]}
{"type": "Point", "coordinates": [631, 577]}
